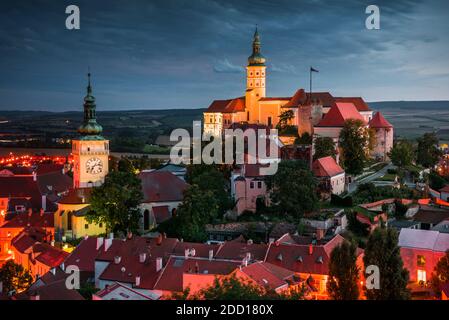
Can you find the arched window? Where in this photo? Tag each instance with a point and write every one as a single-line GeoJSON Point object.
{"type": "Point", "coordinates": [146, 219]}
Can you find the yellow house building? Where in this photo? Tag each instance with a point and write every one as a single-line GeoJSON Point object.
{"type": "Point", "coordinates": [70, 221]}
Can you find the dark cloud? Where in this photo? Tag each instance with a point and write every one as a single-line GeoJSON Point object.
{"type": "Point", "coordinates": [179, 53]}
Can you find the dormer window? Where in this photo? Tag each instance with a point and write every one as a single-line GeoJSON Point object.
{"type": "Point", "coordinates": [279, 257]}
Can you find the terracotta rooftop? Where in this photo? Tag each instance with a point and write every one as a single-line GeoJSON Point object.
{"type": "Point", "coordinates": [310, 259]}
{"type": "Point", "coordinates": [359, 103]}
{"type": "Point", "coordinates": [26, 220]}
{"type": "Point", "coordinates": [339, 113]}
{"type": "Point", "coordinates": [172, 276]}
{"type": "Point", "coordinates": [268, 275]}
{"type": "Point", "coordinates": [378, 121]}
{"type": "Point", "coordinates": [227, 106]}
{"type": "Point", "coordinates": [162, 186]}
{"type": "Point", "coordinates": [326, 167]}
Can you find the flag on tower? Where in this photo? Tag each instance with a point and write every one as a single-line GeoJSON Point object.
{"type": "Point", "coordinates": [313, 70]}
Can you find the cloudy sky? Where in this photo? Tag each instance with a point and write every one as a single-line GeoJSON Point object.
{"type": "Point", "coordinates": [184, 54]}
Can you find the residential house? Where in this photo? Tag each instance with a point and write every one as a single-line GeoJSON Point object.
{"type": "Point", "coordinates": [330, 175]}
{"type": "Point", "coordinates": [421, 250]}
{"type": "Point", "coordinates": [118, 291]}
{"type": "Point", "coordinates": [163, 192]}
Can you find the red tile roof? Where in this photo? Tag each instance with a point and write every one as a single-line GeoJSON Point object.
{"type": "Point", "coordinates": [201, 249]}
{"type": "Point", "coordinates": [129, 251]}
{"type": "Point", "coordinates": [172, 276]}
{"type": "Point", "coordinates": [378, 121]}
{"type": "Point", "coordinates": [84, 255]}
{"type": "Point", "coordinates": [54, 291]}
{"type": "Point", "coordinates": [35, 220]}
{"type": "Point", "coordinates": [268, 275]}
{"type": "Point", "coordinates": [49, 255]}
{"type": "Point", "coordinates": [301, 97]}
{"type": "Point", "coordinates": [76, 196]}
{"type": "Point", "coordinates": [338, 114]}
{"type": "Point", "coordinates": [359, 103]}
{"type": "Point", "coordinates": [20, 187]}
{"type": "Point", "coordinates": [162, 186]}
{"type": "Point", "coordinates": [237, 250]}
{"type": "Point", "coordinates": [274, 98]}
{"type": "Point", "coordinates": [445, 189]}
{"type": "Point", "coordinates": [297, 258]}
{"type": "Point", "coordinates": [326, 167]}
{"type": "Point", "coordinates": [227, 106]}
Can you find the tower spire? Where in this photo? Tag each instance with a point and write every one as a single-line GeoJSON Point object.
{"type": "Point", "coordinates": [256, 59]}
{"type": "Point", "coordinates": [90, 127]}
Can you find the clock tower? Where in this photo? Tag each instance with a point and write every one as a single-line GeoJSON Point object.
{"type": "Point", "coordinates": [90, 150]}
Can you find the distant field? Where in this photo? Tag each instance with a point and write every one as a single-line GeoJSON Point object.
{"type": "Point", "coordinates": [412, 119]}
{"type": "Point", "coordinates": [128, 128]}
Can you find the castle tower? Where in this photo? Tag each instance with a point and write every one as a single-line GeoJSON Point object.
{"type": "Point", "coordinates": [90, 150]}
{"type": "Point", "coordinates": [255, 79]}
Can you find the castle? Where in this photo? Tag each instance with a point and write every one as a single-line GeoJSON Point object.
{"type": "Point", "coordinates": [317, 113]}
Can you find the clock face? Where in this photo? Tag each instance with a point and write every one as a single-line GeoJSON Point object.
{"type": "Point", "coordinates": [94, 166]}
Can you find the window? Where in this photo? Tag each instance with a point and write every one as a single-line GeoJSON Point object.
{"type": "Point", "coordinates": [269, 121]}
{"type": "Point", "coordinates": [20, 208]}
{"type": "Point", "coordinates": [100, 224]}
{"type": "Point", "coordinates": [259, 184]}
{"type": "Point", "coordinates": [422, 276]}
{"type": "Point", "coordinates": [251, 185]}
{"type": "Point", "coordinates": [421, 261]}
{"type": "Point", "coordinates": [86, 226]}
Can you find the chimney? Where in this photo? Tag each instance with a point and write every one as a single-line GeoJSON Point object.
{"type": "Point", "coordinates": [44, 202]}
{"type": "Point", "coordinates": [186, 253]}
{"type": "Point", "coordinates": [107, 244]}
{"type": "Point", "coordinates": [159, 240]}
{"type": "Point", "coordinates": [111, 235]}
{"type": "Point", "coordinates": [310, 249]}
{"type": "Point", "coordinates": [158, 264]}
{"type": "Point", "coordinates": [35, 296]}
{"type": "Point", "coordinates": [142, 257]}
{"type": "Point", "coordinates": [30, 212]}
{"type": "Point", "coordinates": [245, 262]}
{"type": "Point", "coordinates": [248, 256]}
{"type": "Point", "coordinates": [34, 176]}
{"type": "Point", "coordinates": [164, 235]}
{"type": "Point", "coordinates": [197, 268]}
{"type": "Point", "coordinates": [117, 259]}
{"type": "Point", "coordinates": [192, 252]}
{"type": "Point", "coordinates": [99, 242]}
{"type": "Point", "coordinates": [41, 212]}
{"type": "Point", "coordinates": [137, 281]}
{"type": "Point", "coordinates": [62, 266]}
{"type": "Point", "coordinates": [52, 243]}
{"type": "Point", "coordinates": [130, 235]}
{"type": "Point", "coordinates": [211, 255]}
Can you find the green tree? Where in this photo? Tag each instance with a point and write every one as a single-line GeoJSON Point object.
{"type": "Point", "coordinates": [214, 181]}
{"type": "Point", "coordinates": [428, 153]}
{"type": "Point", "coordinates": [382, 251]}
{"type": "Point", "coordinates": [402, 154]}
{"type": "Point", "coordinates": [440, 275]}
{"type": "Point", "coordinates": [14, 277]}
{"type": "Point", "coordinates": [343, 273]}
{"type": "Point", "coordinates": [436, 181]}
{"type": "Point", "coordinates": [294, 189]}
{"type": "Point", "coordinates": [354, 144]}
{"type": "Point", "coordinates": [305, 138]}
{"type": "Point", "coordinates": [324, 147]}
{"type": "Point", "coordinates": [233, 288]}
{"type": "Point", "coordinates": [284, 118]}
{"type": "Point", "coordinates": [115, 203]}
{"type": "Point", "coordinates": [198, 208]}
{"type": "Point", "coordinates": [355, 226]}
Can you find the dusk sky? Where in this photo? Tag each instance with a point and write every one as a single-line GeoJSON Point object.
{"type": "Point", "coordinates": [184, 54]}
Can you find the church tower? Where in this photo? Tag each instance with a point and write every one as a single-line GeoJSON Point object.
{"type": "Point", "coordinates": [255, 79]}
{"type": "Point", "coordinates": [90, 150]}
